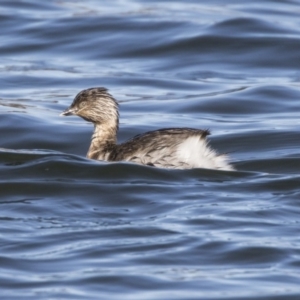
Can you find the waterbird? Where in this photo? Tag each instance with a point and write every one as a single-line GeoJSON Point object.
{"type": "Point", "coordinates": [173, 148]}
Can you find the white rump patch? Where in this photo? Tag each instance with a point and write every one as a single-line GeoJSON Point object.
{"type": "Point", "coordinates": [195, 152]}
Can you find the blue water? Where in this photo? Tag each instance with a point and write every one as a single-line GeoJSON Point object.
{"type": "Point", "coordinates": [72, 228]}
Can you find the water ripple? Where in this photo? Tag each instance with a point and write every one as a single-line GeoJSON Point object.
{"type": "Point", "coordinates": [81, 229]}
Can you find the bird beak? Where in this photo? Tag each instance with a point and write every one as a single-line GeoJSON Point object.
{"type": "Point", "coordinates": [68, 112]}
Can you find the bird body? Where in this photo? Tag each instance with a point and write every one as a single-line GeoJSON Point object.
{"type": "Point", "coordinates": [176, 148]}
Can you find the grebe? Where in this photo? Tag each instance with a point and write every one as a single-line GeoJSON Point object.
{"type": "Point", "coordinates": [177, 148]}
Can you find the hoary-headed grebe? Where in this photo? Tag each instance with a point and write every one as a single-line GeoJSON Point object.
{"type": "Point", "coordinates": [177, 148]}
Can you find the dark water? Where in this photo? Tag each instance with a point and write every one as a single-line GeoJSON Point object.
{"type": "Point", "coordinates": [72, 228]}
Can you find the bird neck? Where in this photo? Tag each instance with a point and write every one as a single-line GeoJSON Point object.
{"type": "Point", "coordinates": [104, 139]}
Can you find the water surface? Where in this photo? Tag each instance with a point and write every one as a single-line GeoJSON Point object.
{"type": "Point", "coordinates": [72, 228]}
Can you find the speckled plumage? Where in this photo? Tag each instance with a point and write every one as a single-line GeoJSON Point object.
{"type": "Point", "coordinates": [178, 148]}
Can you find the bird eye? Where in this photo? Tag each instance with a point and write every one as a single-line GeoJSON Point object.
{"type": "Point", "coordinates": [82, 104]}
